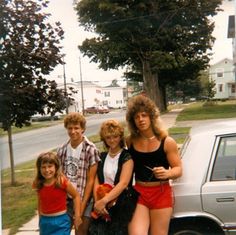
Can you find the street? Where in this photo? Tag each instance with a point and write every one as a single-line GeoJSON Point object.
{"type": "Point", "coordinates": [27, 145]}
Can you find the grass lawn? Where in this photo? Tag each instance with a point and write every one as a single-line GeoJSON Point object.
{"type": "Point", "coordinates": [19, 201]}
{"type": "Point", "coordinates": [201, 111]}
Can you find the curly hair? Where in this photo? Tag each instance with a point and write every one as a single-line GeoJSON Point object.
{"type": "Point", "coordinates": [47, 157]}
{"type": "Point", "coordinates": [75, 118]}
{"type": "Point", "coordinates": [141, 103]}
{"type": "Point", "coordinates": [112, 127]}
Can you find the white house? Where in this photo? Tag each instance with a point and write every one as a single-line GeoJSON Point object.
{"type": "Point", "coordinates": [222, 73]}
{"type": "Point", "coordinates": [95, 95]}
{"type": "Point", "coordinates": [114, 95]}
{"type": "Point", "coordinates": [91, 93]}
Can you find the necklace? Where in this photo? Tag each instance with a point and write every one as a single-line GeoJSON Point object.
{"type": "Point", "coordinates": [149, 138]}
{"type": "Point", "coordinates": [114, 154]}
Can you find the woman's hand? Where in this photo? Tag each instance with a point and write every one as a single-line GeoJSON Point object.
{"type": "Point", "coordinates": [100, 207]}
{"type": "Point", "coordinates": [161, 173]}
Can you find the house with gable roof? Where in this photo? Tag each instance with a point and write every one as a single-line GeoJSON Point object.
{"type": "Point", "coordinates": [114, 95]}
{"type": "Point", "coordinates": [223, 74]}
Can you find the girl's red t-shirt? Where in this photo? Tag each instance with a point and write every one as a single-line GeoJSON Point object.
{"type": "Point", "coordinates": [52, 199]}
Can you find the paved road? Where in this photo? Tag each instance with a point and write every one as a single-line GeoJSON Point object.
{"type": "Point", "coordinates": [27, 145]}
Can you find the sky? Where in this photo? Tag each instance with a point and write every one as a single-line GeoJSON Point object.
{"type": "Point", "coordinates": [223, 46]}
{"type": "Point", "coordinates": [74, 35]}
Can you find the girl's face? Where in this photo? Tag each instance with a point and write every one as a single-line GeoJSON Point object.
{"type": "Point", "coordinates": [48, 171]}
{"type": "Point", "coordinates": [113, 141]}
{"type": "Point", "coordinates": [142, 121]}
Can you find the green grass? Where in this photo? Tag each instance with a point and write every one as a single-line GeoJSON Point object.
{"type": "Point", "coordinates": [201, 111]}
{"type": "Point", "coordinates": [19, 201]}
{"type": "Point", "coordinates": [179, 133]}
{"type": "Point", "coordinates": [179, 130]}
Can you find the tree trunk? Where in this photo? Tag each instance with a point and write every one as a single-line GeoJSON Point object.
{"type": "Point", "coordinates": [13, 182]}
{"type": "Point", "coordinates": [163, 95]}
{"type": "Point", "coordinates": [151, 86]}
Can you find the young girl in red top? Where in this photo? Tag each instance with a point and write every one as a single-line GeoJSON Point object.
{"type": "Point", "coordinates": [52, 188]}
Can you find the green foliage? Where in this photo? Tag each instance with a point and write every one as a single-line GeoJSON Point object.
{"type": "Point", "coordinates": [211, 90]}
{"type": "Point", "coordinates": [164, 41]}
{"type": "Point", "coordinates": [184, 89]}
{"type": "Point", "coordinates": [30, 49]}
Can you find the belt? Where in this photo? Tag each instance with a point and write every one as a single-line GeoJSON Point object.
{"type": "Point", "coordinates": [150, 184]}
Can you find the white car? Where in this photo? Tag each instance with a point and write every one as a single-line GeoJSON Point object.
{"type": "Point", "coordinates": [205, 196]}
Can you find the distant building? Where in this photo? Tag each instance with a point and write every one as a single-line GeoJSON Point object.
{"type": "Point", "coordinates": [92, 94]}
{"type": "Point", "coordinates": [113, 95]}
{"type": "Point", "coordinates": [222, 73]}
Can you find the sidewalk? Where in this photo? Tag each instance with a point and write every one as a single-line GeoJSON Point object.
{"type": "Point", "coordinates": [31, 227]}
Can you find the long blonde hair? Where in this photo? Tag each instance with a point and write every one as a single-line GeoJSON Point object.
{"type": "Point", "coordinates": [141, 103]}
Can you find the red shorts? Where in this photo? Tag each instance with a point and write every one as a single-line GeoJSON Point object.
{"type": "Point", "coordinates": [155, 197]}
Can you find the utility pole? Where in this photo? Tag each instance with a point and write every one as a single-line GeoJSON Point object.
{"type": "Point", "coordinates": [65, 88]}
{"type": "Point", "coordinates": [81, 87]}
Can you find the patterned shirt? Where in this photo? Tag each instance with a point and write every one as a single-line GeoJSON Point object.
{"type": "Point", "coordinates": [75, 167]}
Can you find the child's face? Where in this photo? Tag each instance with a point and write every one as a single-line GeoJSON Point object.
{"type": "Point", "coordinates": [75, 131]}
{"type": "Point", "coordinates": [48, 170]}
{"type": "Point", "coordinates": [113, 141]}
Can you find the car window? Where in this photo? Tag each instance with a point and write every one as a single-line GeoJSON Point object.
{"type": "Point", "coordinates": [225, 161]}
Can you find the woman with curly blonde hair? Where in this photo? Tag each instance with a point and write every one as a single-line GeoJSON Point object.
{"type": "Point", "coordinates": [114, 209]}
{"type": "Point", "coordinates": [156, 161]}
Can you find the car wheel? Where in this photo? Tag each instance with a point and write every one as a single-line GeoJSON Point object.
{"type": "Point", "coordinates": [193, 229]}
{"type": "Point", "coordinates": [187, 232]}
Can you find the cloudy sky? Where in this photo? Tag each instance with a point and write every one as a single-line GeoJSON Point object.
{"type": "Point", "coordinates": [74, 35]}
{"type": "Point", "coordinates": [223, 46]}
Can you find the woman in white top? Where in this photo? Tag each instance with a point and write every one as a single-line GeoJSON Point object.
{"type": "Point", "coordinates": [115, 171]}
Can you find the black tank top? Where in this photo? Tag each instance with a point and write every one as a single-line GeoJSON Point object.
{"type": "Point", "coordinates": [150, 159]}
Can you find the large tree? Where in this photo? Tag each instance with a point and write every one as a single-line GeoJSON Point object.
{"type": "Point", "coordinates": [29, 51]}
{"type": "Point", "coordinates": [165, 41]}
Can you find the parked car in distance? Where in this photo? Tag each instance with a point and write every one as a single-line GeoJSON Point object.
{"type": "Point", "coordinates": [99, 109]}
{"type": "Point", "coordinates": [205, 195]}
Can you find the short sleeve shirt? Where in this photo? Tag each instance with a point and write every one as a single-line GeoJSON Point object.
{"type": "Point", "coordinates": [75, 166]}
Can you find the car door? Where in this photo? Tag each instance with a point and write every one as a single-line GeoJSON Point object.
{"type": "Point", "coordinates": [219, 190]}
